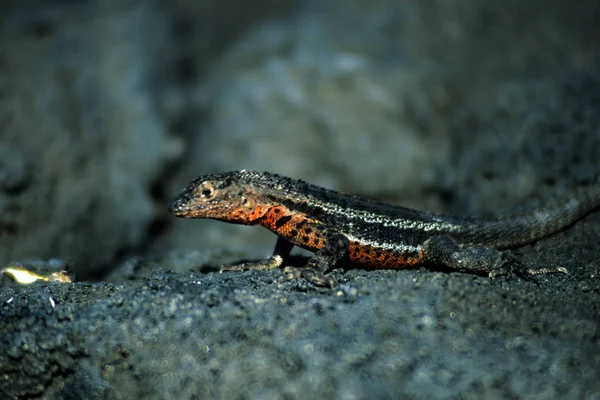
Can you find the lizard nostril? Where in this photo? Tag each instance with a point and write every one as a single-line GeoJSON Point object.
{"type": "Point", "coordinates": [175, 206]}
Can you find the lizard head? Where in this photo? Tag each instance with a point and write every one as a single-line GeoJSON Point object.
{"type": "Point", "coordinates": [227, 196]}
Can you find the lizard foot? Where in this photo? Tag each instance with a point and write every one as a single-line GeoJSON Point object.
{"type": "Point", "coordinates": [315, 277]}
{"type": "Point", "coordinates": [507, 265]}
{"type": "Point", "coordinates": [510, 265]}
{"type": "Point", "coordinates": [265, 265]}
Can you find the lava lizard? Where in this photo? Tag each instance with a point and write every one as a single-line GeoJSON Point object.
{"type": "Point", "coordinates": [368, 233]}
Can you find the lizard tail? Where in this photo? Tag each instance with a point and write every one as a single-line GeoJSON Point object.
{"type": "Point", "coordinates": [510, 231]}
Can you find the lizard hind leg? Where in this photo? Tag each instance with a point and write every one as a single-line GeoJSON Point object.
{"type": "Point", "coordinates": [443, 249]}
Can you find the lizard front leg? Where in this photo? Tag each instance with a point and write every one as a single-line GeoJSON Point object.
{"type": "Point", "coordinates": [443, 249]}
{"type": "Point", "coordinates": [334, 246]}
{"type": "Point", "coordinates": [281, 252]}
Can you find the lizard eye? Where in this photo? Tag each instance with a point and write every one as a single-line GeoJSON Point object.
{"type": "Point", "coordinates": [206, 191]}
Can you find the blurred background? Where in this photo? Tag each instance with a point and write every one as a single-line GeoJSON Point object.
{"type": "Point", "coordinates": [109, 107]}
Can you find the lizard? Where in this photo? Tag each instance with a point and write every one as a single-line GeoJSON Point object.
{"type": "Point", "coordinates": [337, 227]}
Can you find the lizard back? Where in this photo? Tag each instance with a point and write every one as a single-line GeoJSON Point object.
{"type": "Point", "coordinates": [389, 225]}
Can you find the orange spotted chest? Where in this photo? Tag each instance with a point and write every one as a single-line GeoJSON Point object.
{"type": "Point", "coordinates": [304, 232]}
{"type": "Point", "coordinates": [296, 228]}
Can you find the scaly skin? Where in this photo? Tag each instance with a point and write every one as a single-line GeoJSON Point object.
{"type": "Point", "coordinates": [368, 233]}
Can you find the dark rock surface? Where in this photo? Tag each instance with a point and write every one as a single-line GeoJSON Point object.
{"type": "Point", "coordinates": [81, 141]}
{"type": "Point", "coordinates": [468, 107]}
{"type": "Point", "coordinates": [381, 334]}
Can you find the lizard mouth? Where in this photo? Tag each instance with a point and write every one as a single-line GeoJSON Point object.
{"type": "Point", "coordinates": [179, 208]}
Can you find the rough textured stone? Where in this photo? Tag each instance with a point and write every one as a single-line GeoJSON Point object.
{"type": "Point", "coordinates": [81, 139]}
